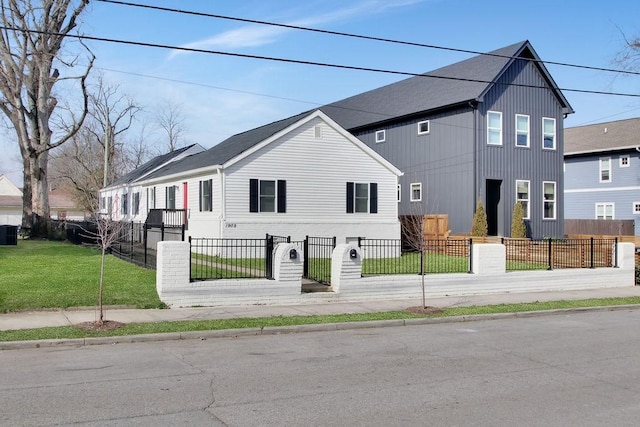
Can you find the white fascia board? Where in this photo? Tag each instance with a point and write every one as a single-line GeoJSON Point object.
{"type": "Point", "coordinates": [603, 150]}
{"type": "Point", "coordinates": [328, 121]}
{"type": "Point", "coordinates": [180, 175]}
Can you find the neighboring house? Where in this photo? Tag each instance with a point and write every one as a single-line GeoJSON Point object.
{"type": "Point", "coordinates": [488, 128]}
{"type": "Point", "coordinates": [10, 202]}
{"type": "Point", "coordinates": [126, 199]}
{"type": "Point", "coordinates": [61, 204]}
{"type": "Point", "coordinates": [602, 171]}
{"type": "Point", "coordinates": [301, 176]}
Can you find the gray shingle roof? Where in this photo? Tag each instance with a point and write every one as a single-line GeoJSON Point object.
{"type": "Point", "coordinates": [465, 81]}
{"type": "Point", "coordinates": [601, 137]}
{"type": "Point", "coordinates": [149, 166]}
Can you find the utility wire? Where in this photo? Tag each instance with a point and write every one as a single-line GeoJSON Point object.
{"type": "Point", "coordinates": [314, 63]}
{"type": "Point", "coordinates": [359, 36]}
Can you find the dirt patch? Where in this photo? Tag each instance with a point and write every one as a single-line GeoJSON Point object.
{"type": "Point", "coordinates": [424, 311]}
{"type": "Point", "coordinates": [98, 326]}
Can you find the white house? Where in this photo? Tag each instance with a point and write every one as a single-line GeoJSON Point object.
{"type": "Point", "coordinates": [304, 175]}
{"type": "Point", "coordinates": [10, 202]}
{"type": "Point", "coordinates": [126, 199]}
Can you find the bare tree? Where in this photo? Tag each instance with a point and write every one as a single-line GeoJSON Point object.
{"type": "Point", "coordinates": [169, 117]}
{"type": "Point", "coordinates": [98, 154]}
{"type": "Point", "coordinates": [414, 237]}
{"type": "Point", "coordinates": [31, 39]}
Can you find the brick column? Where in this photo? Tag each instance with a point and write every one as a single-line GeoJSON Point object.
{"type": "Point", "coordinates": [345, 266]}
{"type": "Point", "coordinates": [172, 266]}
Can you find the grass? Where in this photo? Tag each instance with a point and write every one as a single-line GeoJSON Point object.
{"type": "Point", "coordinates": [68, 332]}
{"type": "Point", "coordinates": [38, 274]}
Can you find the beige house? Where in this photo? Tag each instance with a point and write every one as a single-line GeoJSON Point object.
{"type": "Point", "coordinates": [62, 205]}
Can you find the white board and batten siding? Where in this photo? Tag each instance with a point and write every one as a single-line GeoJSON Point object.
{"type": "Point", "coordinates": [316, 165]}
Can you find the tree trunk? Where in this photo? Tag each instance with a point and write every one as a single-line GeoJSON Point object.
{"type": "Point", "coordinates": [39, 194]}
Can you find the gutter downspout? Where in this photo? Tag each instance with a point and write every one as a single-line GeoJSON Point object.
{"type": "Point", "coordinates": [223, 204]}
{"type": "Point", "coordinates": [476, 193]}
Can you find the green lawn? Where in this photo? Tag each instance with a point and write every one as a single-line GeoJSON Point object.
{"type": "Point", "coordinates": [44, 274]}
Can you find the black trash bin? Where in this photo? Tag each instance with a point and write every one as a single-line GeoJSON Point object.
{"type": "Point", "coordinates": [8, 234]}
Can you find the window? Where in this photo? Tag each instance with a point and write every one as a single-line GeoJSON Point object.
{"type": "Point", "coordinates": [171, 197]}
{"type": "Point", "coordinates": [423, 127]}
{"type": "Point", "coordinates": [604, 211]}
{"type": "Point", "coordinates": [399, 193]}
{"type": "Point", "coordinates": [636, 208]}
{"type": "Point", "coordinates": [494, 128]}
{"type": "Point", "coordinates": [123, 205]}
{"type": "Point", "coordinates": [267, 196]}
{"type": "Point", "coordinates": [152, 198]}
{"type": "Point", "coordinates": [605, 169]}
{"type": "Point", "coordinates": [624, 161]}
{"type": "Point", "coordinates": [362, 197]}
{"type": "Point", "coordinates": [549, 200]}
{"type": "Point", "coordinates": [135, 208]}
{"type": "Point", "coordinates": [380, 136]}
{"type": "Point", "coordinates": [522, 130]}
{"type": "Point", "coordinates": [416, 192]}
{"type": "Point", "coordinates": [102, 203]}
{"type": "Point", "coordinates": [549, 133]}
{"type": "Point", "coordinates": [318, 131]}
{"type": "Point", "coordinates": [522, 196]}
{"type": "Point", "coordinates": [109, 205]}
{"type": "Point", "coordinates": [206, 195]}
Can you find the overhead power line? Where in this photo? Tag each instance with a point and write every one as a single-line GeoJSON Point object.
{"type": "Point", "coordinates": [303, 62]}
{"type": "Point", "coordinates": [358, 36]}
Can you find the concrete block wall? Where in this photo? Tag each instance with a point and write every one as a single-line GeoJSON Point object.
{"type": "Point", "coordinates": [488, 276]}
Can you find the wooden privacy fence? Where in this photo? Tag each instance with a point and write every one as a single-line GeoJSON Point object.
{"type": "Point", "coordinates": [599, 227]}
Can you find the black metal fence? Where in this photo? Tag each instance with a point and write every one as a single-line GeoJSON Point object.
{"type": "Point", "coordinates": [548, 254]}
{"type": "Point", "coordinates": [387, 256]}
{"type": "Point", "coordinates": [317, 253]}
{"type": "Point", "coordinates": [215, 258]}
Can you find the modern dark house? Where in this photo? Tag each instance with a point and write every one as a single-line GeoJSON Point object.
{"type": "Point", "coordinates": [489, 128]}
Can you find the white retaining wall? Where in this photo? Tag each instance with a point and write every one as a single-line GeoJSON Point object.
{"type": "Point", "coordinates": [488, 276]}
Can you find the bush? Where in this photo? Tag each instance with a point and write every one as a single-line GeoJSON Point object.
{"type": "Point", "coordinates": [518, 228]}
{"type": "Point", "coordinates": [479, 228]}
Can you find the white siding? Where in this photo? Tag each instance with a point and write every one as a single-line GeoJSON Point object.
{"type": "Point", "coordinates": [316, 171]}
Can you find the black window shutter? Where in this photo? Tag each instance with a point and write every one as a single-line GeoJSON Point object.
{"type": "Point", "coordinates": [200, 197]}
{"type": "Point", "coordinates": [210, 195]}
{"type": "Point", "coordinates": [373, 197]}
{"type": "Point", "coordinates": [282, 196]}
{"type": "Point", "coordinates": [350, 201]}
{"type": "Point", "coordinates": [253, 195]}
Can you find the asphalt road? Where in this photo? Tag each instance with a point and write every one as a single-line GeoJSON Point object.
{"type": "Point", "coordinates": [576, 369]}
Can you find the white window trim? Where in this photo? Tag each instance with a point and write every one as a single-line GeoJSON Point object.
{"type": "Point", "coordinates": [527, 213]}
{"type": "Point", "coordinates": [555, 199]}
{"type": "Point", "coordinates": [604, 205]}
{"type": "Point", "coordinates": [489, 128]}
{"type": "Point", "coordinates": [419, 184]}
{"type": "Point", "coordinates": [600, 169]}
{"type": "Point", "coordinates": [428, 126]}
{"type": "Point", "coordinates": [528, 131]}
{"type": "Point", "coordinates": [381, 136]}
{"type": "Point", "coordinates": [625, 156]}
{"type": "Point", "coordinates": [399, 193]}
{"type": "Point", "coordinates": [555, 133]}
{"type": "Point", "coordinates": [633, 208]}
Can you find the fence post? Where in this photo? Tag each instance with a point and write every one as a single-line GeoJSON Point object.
{"type": "Point", "coordinates": [615, 254]}
{"type": "Point", "coordinates": [268, 257]}
{"type": "Point", "coordinates": [190, 255]}
{"type": "Point", "coordinates": [131, 244]}
{"type": "Point", "coordinates": [470, 257]}
{"type": "Point", "coordinates": [305, 264]}
{"type": "Point", "coordinates": [592, 252]}
{"type": "Point", "coordinates": [183, 228]}
{"type": "Point", "coordinates": [549, 256]}
{"type": "Point", "coordinates": [162, 232]}
{"type": "Point", "coordinates": [144, 243]}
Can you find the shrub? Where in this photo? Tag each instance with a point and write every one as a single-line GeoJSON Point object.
{"type": "Point", "coordinates": [479, 228]}
{"type": "Point", "coordinates": [518, 228]}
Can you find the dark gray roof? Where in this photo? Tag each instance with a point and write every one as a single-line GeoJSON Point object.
{"type": "Point", "coordinates": [149, 166]}
{"type": "Point", "coordinates": [602, 137]}
{"type": "Point", "coordinates": [465, 81]}
{"type": "Point", "coordinates": [227, 149]}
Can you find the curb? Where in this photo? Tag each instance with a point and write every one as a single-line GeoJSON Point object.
{"type": "Point", "coordinates": [279, 330]}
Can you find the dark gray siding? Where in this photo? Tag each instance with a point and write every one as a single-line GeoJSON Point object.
{"type": "Point", "coordinates": [441, 160]}
{"type": "Point", "coordinates": [510, 163]}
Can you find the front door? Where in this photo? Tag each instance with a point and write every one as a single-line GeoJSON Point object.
{"type": "Point", "coordinates": [494, 206]}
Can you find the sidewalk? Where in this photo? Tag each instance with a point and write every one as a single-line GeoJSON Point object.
{"type": "Point", "coordinates": [39, 319]}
